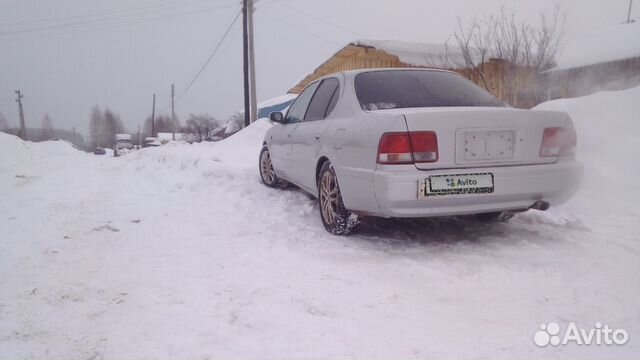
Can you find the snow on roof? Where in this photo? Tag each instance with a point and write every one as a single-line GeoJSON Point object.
{"type": "Point", "coordinates": [609, 44]}
{"type": "Point", "coordinates": [169, 136]}
{"type": "Point", "coordinates": [418, 54]}
{"type": "Point", "coordinates": [123, 137]}
{"type": "Point", "coordinates": [277, 100]}
{"type": "Point", "coordinates": [274, 101]}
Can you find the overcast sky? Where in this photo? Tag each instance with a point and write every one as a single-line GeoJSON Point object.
{"type": "Point", "coordinates": [117, 53]}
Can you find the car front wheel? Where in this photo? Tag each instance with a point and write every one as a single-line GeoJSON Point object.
{"type": "Point", "coordinates": [335, 217]}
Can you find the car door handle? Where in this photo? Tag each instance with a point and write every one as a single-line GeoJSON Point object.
{"type": "Point", "coordinates": [317, 136]}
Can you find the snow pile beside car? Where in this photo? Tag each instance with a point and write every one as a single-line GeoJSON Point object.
{"type": "Point", "coordinates": [608, 124]}
{"type": "Point", "coordinates": [237, 154]}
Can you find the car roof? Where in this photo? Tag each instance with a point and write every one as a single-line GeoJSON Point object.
{"type": "Point", "coordinates": [360, 71]}
{"type": "Point", "coordinates": [353, 73]}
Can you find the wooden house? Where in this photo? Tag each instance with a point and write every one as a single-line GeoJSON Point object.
{"type": "Point", "coordinates": [518, 86]}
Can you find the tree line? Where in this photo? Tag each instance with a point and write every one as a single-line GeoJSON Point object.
{"type": "Point", "coordinates": [104, 124]}
{"type": "Point", "coordinates": [45, 132]}
{"type": "Point", "coordinates": [198, 127]}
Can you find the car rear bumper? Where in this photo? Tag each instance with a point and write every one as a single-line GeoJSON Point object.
{"type": "Point", "coordinates": [516, 188]}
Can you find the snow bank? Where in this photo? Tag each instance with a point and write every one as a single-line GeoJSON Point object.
{"type": "Point", "coordinates": [609, 44]}
{"type": "Point", "coordinates": [14, 150]}
{"type": "Point", "coordinates": [11, 146]}
{"type": "Point", "coordinates": [244, 146]}
{"type": "Point", "coordinates": [232, 158]}
{"type": "Point", "coordinates": [608, 124]}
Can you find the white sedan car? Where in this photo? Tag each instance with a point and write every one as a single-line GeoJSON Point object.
{"type": "Point", "coordinates": [417, 143]}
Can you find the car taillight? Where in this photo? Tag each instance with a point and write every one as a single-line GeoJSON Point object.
{"type": "Point", "coordinates": [558, 141]}
{"type": "Point", "coordinates": [395, 148]}
{"type": "Point", "coordinates": [408, 147]}
{"type": "Point", "coordinates": [425, 146]}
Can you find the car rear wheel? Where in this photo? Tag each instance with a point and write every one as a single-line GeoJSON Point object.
{"type": "Point", "coordinates": [335, 217]}
{"type": "Point", "coordinates": [267, 173]}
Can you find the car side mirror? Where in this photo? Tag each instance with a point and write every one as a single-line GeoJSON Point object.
{"type": "Point", "coordinates": [277, 117]}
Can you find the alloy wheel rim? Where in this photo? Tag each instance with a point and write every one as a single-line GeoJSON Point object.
{"type": "Point", "coordinates": [328, 197]}
{"type": "Point", "coordinates": [266, 168]}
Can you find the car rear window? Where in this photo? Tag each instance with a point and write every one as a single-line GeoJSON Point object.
{"type": "Point", "coordinates": [378, 90]}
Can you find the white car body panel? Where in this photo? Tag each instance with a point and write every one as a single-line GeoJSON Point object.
{"type": "Point", "coordinates": [349, 138]}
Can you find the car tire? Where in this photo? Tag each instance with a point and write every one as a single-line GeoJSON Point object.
{"type": "Point", "coordinates": [335, 217]}
{"type": "Point", "coordinates": [495, 216]}
{"type": "Point", "coordinates": [267, 173]}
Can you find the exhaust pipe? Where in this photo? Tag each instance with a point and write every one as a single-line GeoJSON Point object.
{"type": "Point", "coordinates": [540, 205]}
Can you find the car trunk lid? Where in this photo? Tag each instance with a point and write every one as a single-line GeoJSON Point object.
{"type": "Point", "coordinates": [482, 137]}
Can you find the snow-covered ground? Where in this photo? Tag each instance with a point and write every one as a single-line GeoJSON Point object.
{"type": "Point", "coordinates": [179, 252]}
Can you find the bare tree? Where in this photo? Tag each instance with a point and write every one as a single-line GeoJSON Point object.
{"type": "Point", "coordinates": [162, 124]}
{"type": "Point", "coordinates": [502, 36]}
{"type": "Point", "coordinates": [113, 124]}
{"type": "Point", "coordinates": [46, 132]}
{"type": "Point", "coordinates": [103, 127]}
{"type": "Point", "coordinates": [96, 127]}
{"type": "Point", "coordinates": [235, 123]}
{"type": "Point", "coordinates": [201, 126]}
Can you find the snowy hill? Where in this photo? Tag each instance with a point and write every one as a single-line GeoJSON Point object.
{"type": "Point", "coordinates": [14, 151]}
{"type": "Point", "coordinates": [607, 125]}
{"type": "Point", "coordinates": [180, 252]}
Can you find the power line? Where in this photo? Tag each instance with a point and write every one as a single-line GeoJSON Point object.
{"type": "Point", "coordinates": [299, 28]}
{"type": "Point", "coordinates": [262, 4]}
{"type": "Point", "coordinates": [206, 63]}
{"type": "Point", "coordinates": [215, 50]}
{"type": "Point", "coordinates": [105, 21]}
{"type": "Point", "coordinates": [112, 25]}
{"type": "Point", "coordinates": [158, 7]}
{"type": "Point", "coordinates": [338, 26]}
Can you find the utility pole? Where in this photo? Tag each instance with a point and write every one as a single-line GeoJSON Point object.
{"type": "Point", "coordinates": [173, 114]}
{"type": "Point", "coordinates": [252, 63]}
{"type": "Point", "coordinates": [73, 137]}
{"type": "Point", "coordinates": [629, 14]}
{"type": "Point", "coordinates": [245, 62]}
{"type": "Point", "coordinates": [153, 117]}
{"type": "Point", "coordinates": [23, 129]}
{"type": "Point", "coordinates": [139, 140]}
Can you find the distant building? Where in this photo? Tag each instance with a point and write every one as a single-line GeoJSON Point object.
{"type": "Point", "coordinates": [608, 59]}
{"type": "Point", "coordinates": [166, 137]}
{"type": "Point", "coordinates": [522, 90]}
{"type": "Point", "coordinates": [123, 141]}
{"type": "Point", "coordinates": [280, 103]}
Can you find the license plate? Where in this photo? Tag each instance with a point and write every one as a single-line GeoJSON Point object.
{"type": "Point", "coordinates": [488, 145]}
{"type": "Point", "coordinates": [456, 184]}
